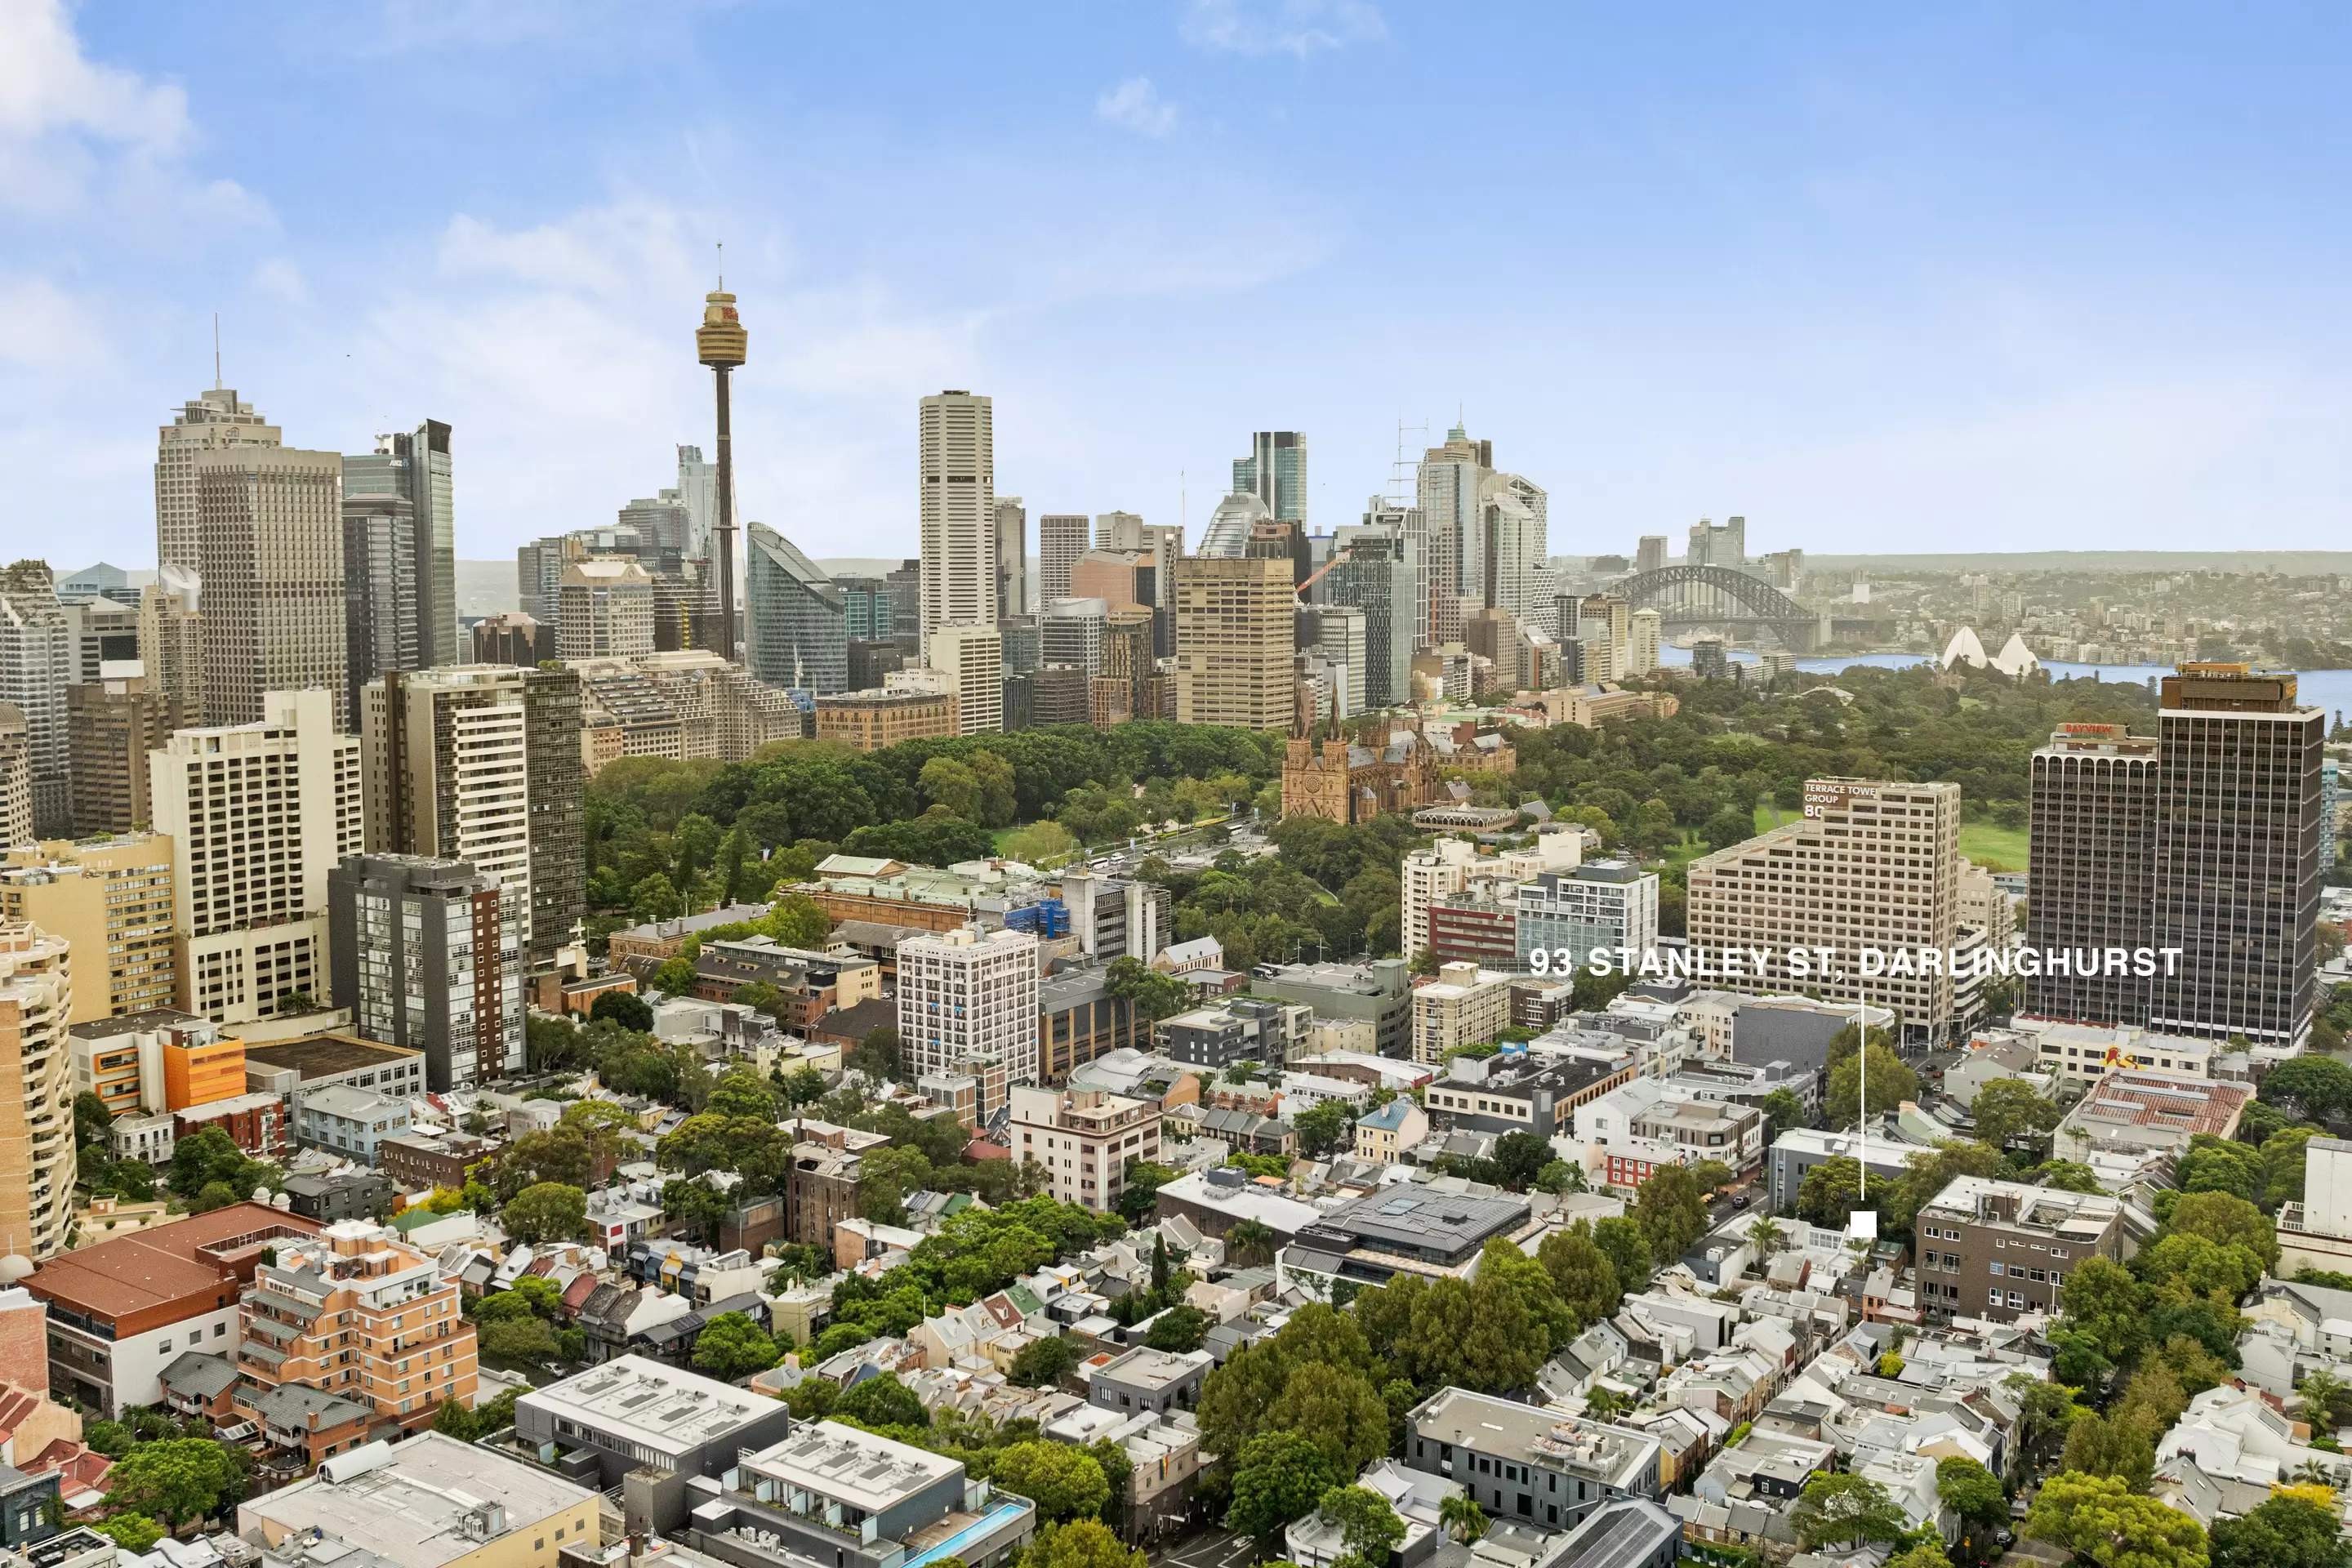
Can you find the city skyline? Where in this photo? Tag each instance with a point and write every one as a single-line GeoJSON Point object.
{"type": "Point", "coordinates": [1850, 279]}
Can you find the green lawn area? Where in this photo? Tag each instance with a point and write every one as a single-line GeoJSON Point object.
{"type": "Point", "coordinates": [1770, 816]}
{"type": "Point", "coordinates": [1994, 848]}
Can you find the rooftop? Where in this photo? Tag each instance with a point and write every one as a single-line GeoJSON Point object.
{"type": "Point", "coordinates": [857, 1469]}
{"type": "Point", "coordinates": [414, 1508]}
{"type": "Point", "coordinates": [156, 1267]}
{"type": "Point", "coordinates": [1620, 1534]}
{"type": "Point", "coordinates": [646, 1402]}
{"type": "Point", "coordinates": [1547, 1438]}
{"type": "Point", "coordinates": [2188, 1106]}
{"type": "Point", "coordinates": [1421, 1221]}
{"type": "Point", "coordinates": [321, 1055]}
{"type": "Point", "coordinates": [1149, 1369]}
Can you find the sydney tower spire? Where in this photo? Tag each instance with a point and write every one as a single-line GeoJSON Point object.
{"type": "Point", "coordinates": [721, 342]}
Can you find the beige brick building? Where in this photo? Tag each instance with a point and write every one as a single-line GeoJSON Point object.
{"type": "Point", "coordinates": [1236, 626]}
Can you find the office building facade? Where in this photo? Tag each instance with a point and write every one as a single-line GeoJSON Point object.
{"type": "Point", "coordinates": [2238, 855]}
{"type": "Point", "coordinates": [1275, 472]}
{"type": "Point", "coordinates": [113, 900]}
{"type": "Point", "coordinates": [1012, 557]}
{"type": "Point", "coordinates": [1602, 904]}
{"type": "Point", "coordinates": [1378, 578]}
{"type": "Point", "coordinates": [257, 814]}
{"type": "Point", "coordinates": [428, 956]}
{"type": "Point", "coordinates": [957, 482]}
{"type": "Point", "coordinates": [605, 609]}
{"type": "Point", "coordinates": [271, 557]}
{"type": "Point", "coordinates": [448, 762]}
{"type": "Point", "coordinates": [1871, 864]}
{"type": "Point", "coordinates": [971, 659]}
{"type": "Point", "coordinates": [212, 421]}
{"type": "Point", "coordinates": [796, 626]}
{"type": "Point", "coordinates": [382, 627]}
{"type": "Point", "coordinates": [1235, 627]}
{"type": "Point", "coordinates": [2093, 852]}
{"type": "Point", "coordinates": [414, 466]}
{"type": "Point", "coordinates": [1061, 540]}
{"type": "Point", "coordinates": [37, 665]}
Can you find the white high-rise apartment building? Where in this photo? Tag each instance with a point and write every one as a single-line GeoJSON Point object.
{"type": "Point", "coordinates": [1438, 872]}
{"type": "Point", "coordinates": [1870, 865]}
{"type": "Point", "coordinates": [966, 992]}
{"type": "Point", "coordinates": [37, 665]}
{"type": "Point", "coordinates": [449, 774]}
{"type": "Point", "coordinates": [269, 551]}
{"type": "Point", "coordinates": [210, 421]}
{"type": "Point", "coordinates": [970, 660]}
{"type": "Point", "coordinates": [1643, 638]}
{"type": "Point", "coordinates": [258, 815]}
{"type": "Point", "coordinates": [958, 481]}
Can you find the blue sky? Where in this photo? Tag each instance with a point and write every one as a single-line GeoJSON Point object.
{"type": "Point", "coordinates": [1996, 276]}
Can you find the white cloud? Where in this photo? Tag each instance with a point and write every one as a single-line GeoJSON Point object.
{"type": "Point", "coordinates": [1299, 28]}
{"type": "Point", "coordinates": [45, 328]}
{"type": "Point", "coordinates": [1136, 104]}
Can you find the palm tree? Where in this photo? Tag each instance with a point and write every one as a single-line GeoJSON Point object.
{"type": "Point", "coordinates": [2323, 1391]}
{"type": "Point", "coordinates": [1248, 1238]}
{"type": "Point", "coordinates": [1462, 1517]}
{"type": "Point", "coordinates": [1764, 1236]}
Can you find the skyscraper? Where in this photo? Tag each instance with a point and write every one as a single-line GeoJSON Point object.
{"type": "Point", "coordinates": [1377, 577]}
{"type": "Point", "coordinates": [1721, 544]}
{"type": "Point", "coordinates": [269, 546]}
{"type": "Point", "coordinates": [112, 724]}
{"type": "Point", "coordinates": [795, 618]}
{"type": "Point", "coordinates": [1164, 541]}
{"type": "Point", "coordinates": [1449, 482]}
{"type": "Point", "coordinates": [381, 626]}
{"type": "Point", "coordinates": [428, 956]}
{"type": "Point", "coordinates": [1232, 524]}
{"type": "Point", "coordinates": [415, 467]}
{"type": "Point", "coordinates": [2236, 883]}
{"type": "Point", "coordinates": [2093, 851]}
{"type": "Point", "coordinates": [1071, 632]}
{"type": "Point", "coordinates": [697, 491]}
{"type": "Point", "coordinates": [1235, 634]}
{"type": "Point", "coordinates": [551, 704]}
{"type": "Point", "coordinates": [257, 814]}
{"type": "Point", "coordinates": [1061, 540]}
{"type": "Point", "coordinates": [1012, 557]}
{"type": "Point", "coordinates": [1651, 555]}
{"type": "Point", "coordinates": [539, 575]}
{"type": "Point", "coordinates": [721, 343]}
{"type": "Point", "coordinates": [971, 657]}
{"type": "Point", "coordinates": [1641, 650]}
{"type": "Point", "coordinates": [171, 638]}
{"type": "Point", "coordinates": [957, 481]}
{"type": "Point", "coordinates": [211, 421]}
{"type": "Point", "coordinates": [447, 755]}
{"type": "Point", "coordinates": [1275, 472]}
{"type": "Point", "coordinates": [1503, 556]}
{"type": "Point", "coordinates": [606, 609]}
{"type": "Point", "coordinates": [36, 664]}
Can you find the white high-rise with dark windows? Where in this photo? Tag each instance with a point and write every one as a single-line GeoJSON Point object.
{"type": "Point", "coordinates": [967, 993]}
{"type": "Point", "coordinates": [958, 509]}
{"type": "Point", "coordinates": [209, 422]}
{"type": "Point", "coordinates": [257, 814]}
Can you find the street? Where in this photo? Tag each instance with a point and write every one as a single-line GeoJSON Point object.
{"type": "Point", "coordinates": [1211, 1548]}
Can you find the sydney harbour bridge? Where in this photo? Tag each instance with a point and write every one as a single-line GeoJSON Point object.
{"type": "Point", "coordinates": [1719, 599]}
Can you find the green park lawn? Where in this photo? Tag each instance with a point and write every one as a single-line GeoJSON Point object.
{"type": "Point", "coordinates": [1993, 847]}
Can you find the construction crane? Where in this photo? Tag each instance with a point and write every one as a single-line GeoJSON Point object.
{"type": "Point", "coordinates": [1337, 556]}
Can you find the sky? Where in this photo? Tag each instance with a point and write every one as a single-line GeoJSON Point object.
{"type": "Point", "coordinates": [1971, 277]}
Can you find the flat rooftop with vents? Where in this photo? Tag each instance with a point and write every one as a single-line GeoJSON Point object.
{"type": "Point", "coordinates": [431, 1501]}
{"type": "Point", "coordinates": [630, 1411]}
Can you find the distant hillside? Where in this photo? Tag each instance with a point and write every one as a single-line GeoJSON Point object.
{"type": "Point", "coordinates": [2299, 563]}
